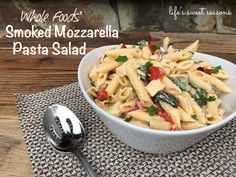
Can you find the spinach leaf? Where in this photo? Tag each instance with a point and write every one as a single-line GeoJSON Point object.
{"type": "Point", "coordinates": [194, 116]}
{"type": "Point", "coordinates": [211, 98]}
{"type": "Point", "coordinates": [165, 97]}
{"type": "Point", "coordinates": [152, 110]}
{"type": "Point", "coordinates": [181, 82]}
{"type": "Point", "coordinates": [216, 69]}
{"type": "Point", "coordinates": [201, 97]}
{"type": "Point", "coordinates": [155, 47]}
{"type": "Point", "coordinates": [144, 73]}
{"type": "Point", "coordinates": [128, 118]}
{"type": "Point", "coordinates": [142, 43]}
{"type": "Point", "coordinates": [121, 59]}
{"type": "Point", "coordinates": [148, 64]}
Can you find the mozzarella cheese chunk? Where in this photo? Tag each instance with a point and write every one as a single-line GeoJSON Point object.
{"type": "Point", "coordinates": [154, 86]}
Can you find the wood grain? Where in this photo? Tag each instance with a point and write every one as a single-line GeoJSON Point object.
{"type": "Point", "coordinates": [13, 153]}
{"type": "Point", "coordinates": [24, 74]}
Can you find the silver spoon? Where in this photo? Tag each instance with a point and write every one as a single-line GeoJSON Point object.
{"type": "Point", "coordinates": [65, 133]}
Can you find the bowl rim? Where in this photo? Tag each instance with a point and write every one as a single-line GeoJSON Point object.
{"type": "Point", "coordinates": [120, 122]}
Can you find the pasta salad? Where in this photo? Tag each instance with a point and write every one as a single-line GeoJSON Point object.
{"type": "Point", "coordinates": [157, 87]}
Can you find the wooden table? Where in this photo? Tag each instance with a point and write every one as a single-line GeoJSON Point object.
{"type": "Point", "coordinates": [31, 74]}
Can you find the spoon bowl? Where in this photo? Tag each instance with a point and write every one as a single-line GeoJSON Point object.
{"type": "Point", "coordinates": [65, 133]}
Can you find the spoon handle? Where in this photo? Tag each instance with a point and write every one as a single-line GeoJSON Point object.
{"type": "Point", "coordinates": [88, 168]}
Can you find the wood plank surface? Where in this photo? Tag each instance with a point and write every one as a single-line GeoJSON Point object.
{"type": "Point", "coordinates": [31, 74]}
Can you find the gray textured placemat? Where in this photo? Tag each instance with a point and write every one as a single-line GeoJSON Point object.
{"type": "Point", "coordinates": [214, 156]}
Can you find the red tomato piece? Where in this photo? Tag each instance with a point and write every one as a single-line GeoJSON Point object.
{"type": "Point", "coordinates": [102, 93]}
{"type": "Point", "coordinates": [156, 73]}
{"type": "Point", "coordinates": [205, 70]}
{"type": "Point", "coordinates": [150, 45]}
{"type": "Point", "coordinates": [164, 115]}
{"type": "Point", "coordinates": [123, 46]}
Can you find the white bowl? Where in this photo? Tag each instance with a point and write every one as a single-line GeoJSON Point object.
{"type": "Point", "coordinates": [157, 141]}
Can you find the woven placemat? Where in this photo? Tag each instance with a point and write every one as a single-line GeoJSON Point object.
{"type": "Point", "coordinates": [214, 156]}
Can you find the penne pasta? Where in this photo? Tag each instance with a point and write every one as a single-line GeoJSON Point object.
{"type": "Point", "coordinates": [143, 116]}
{"type": "Point", "coordinates": [185, 104]}
{"type": "Point", "coordinates": [191, 125]}
{"type": "Point", "coordinates": [125, 93]}
{"type": "Point", "coordinates": [123, 81]}
{"type": "Point", "coordinates": [192, 47]}
{"type": "Point", "coordinates": [213, 107]}
{"type": "Point", "coordinates": [212, 119]}
{"type": "Point", "coordinates": [184, 116]}
{"type": "Point", "coordinates": [109, 66]}
{"type": "Point", "coordinates": [166, 42]}
{"type": "Point", "coordinates": [93, 74]}
{"type": "Point", "coordinates": [170, 86]}
{"type": "Point", "coordinates": [170, 49]}
{"type": "Point", "coordinates": [196, 108]}
{"type": "Point", "coordinates": [173, 112]}
{"type": "Point", "coordinates": [102, 78]}
{"type": "Point", "coordinates": [92, 91]}
{"type": "Point", "coordinates": [135, 52]}
{"type": "Point", "coordinates": [103, 105]}
{"type": "Point", "coordinates": [160, 124]}
{"type": "Point", "coordinates": [198, 64]}
{"type": "Point", "coordinates": [154, 57]}
{"type": "Point", "coordinates": [161, 88]}
{"type": "Point", "coordinates": [184, 65]}
{"type": "Point", "coordinates": [146, 52]}
{"type": "Point", "coordinates": [140, 123]}
{"type": "Point", "coordinates": [154, 86]}
{"type": "Point", "coordinates": [200, 83]}
{"type": "Point", "coordinates": [114, 84]}
{"type": "Point", "coordinates": [115, 109]}
{"type": "Point", "coordinates": [121, 70]}
{"type": "Point", "coordinates": [138, 87]}
{"type": "Point", "coordinates": [221, 75]}
{"type": "Point", "coordinates": [212, 80]}
{"type": "Point", "coordinates": [173, 56]}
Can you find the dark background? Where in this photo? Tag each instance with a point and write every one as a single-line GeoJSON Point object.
{"type": "Point", "coordinates": [127, 15]}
